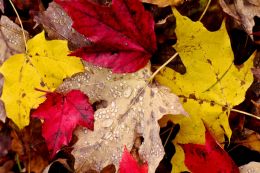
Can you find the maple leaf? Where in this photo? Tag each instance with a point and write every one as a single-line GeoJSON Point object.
{"type": "Point", "coordinates": [243, 11]}
{"type": "Point", "coordinates": [58, 25]}
{"type": "Point", "coordinates": [122, 34]}
{"type": "Point", "coordinates": [61, 114]}
{"type": "Point", "coordinates": [210, 156]}
{"type": "Point", "coordinates": [12, 42]}
{"type": "Point", "coordinates": [130, 108]}
{"type": "Point", "coordinates": [129, 164]}
{"type": "Point", "coordinates": [44, 67]}
{"type": "Point", "coordinates": [209, 89]}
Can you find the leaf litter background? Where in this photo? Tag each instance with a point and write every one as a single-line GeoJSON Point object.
{"type": "Point", "coordinates": [25, 150]}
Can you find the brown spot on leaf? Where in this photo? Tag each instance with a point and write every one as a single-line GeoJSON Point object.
{"type": "Point", "coordinates": [192, 96]}
{"type": "Point", "coordinates": [212, 103]}
{"type": "Point", "coordinates": [242, 83]}
{"type": "Point", "coordinates": [209, 61]}
{"type": "Point", "coordinates": [23, 95]}
{"type": "Point", "coordinates": [42, 84]}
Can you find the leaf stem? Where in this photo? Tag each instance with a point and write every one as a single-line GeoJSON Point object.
{"type": "Point", "coordinates": [205, 10]}
{"type": "Point", "coordinates": [162, 66]}
{"type": "Point", "coordinates": [246, 113]}
{"type": "Point", "coordinates": [18, 162]}
{"type": "Point", "coordinates": [20, 21]}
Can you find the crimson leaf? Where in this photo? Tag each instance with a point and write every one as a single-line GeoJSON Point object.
{"type": "Point", "coordinates": [122, 34]}
{"type": "Point", "coordinates": [61, 114]}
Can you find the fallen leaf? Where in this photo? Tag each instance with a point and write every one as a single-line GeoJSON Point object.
{"type": "Point", "coordinates": [164, 3]}
{"type": "Point", "coordinates": [250, 167]}
{"type": "Point", "coordinates": [58, 25]}
{"type": "Point", "coordinates": [12, 42]}
{"type": "Point", "coordinates": [128, 163]}
{"type": "Point", "coordinates": [210, 156]}
{"type": "Point", "coordinates": [132, 109]}
{"type": "Point", "coordinates": [7, 167]}
{"type": "Point", "coordinates": [61, 114]}
{"type": "Point", "coordinates": [44, 67]}
{"type": "Point", "coordinates": [122, 34]}
{"type": "Point", "coordinates": [243, 11]}
{"type": "Point", "coordinates": [251, 140]}
{"type": "Point", "coordinates": [2, 7]}
{"type": "Point", "coordinates": [28, 144]}
{"type": "Point", "coordinates": [209, 89]}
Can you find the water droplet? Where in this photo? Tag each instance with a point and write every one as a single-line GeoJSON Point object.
{"type": "Point", "coordinates": [127, 92]}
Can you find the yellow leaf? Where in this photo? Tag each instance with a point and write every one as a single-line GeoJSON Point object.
{"type": "Point", "coordinates": [209, 89]}
{"type": "Point", "coordinates": [44, 67]}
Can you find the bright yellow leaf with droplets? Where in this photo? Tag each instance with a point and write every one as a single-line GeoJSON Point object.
{"type": "Point", "coordinates": [44, 67]}
{"type": "Point", "coordinates": [210, 88]}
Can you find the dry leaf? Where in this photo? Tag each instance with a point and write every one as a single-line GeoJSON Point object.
{"type": "Point", "coordinates": [251, 167]}
{"type": "Point", "coordinates": [12, 42]}
{"type": "Point", "coordinates": [58, 25]}
{"type": "Point", "coordinates": [2, 8]}
{"type": "Point", "coordinates": [133, 109]}
{"type": "Point", "coordinates": [243, 11]}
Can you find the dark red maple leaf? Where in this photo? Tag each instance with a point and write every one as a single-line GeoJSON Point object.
{"type": "Point", "coordinates": [122, 34]}
{"type": "Point", "coordinates": [61, 114]}
{"type": "Point", "coordinates": [208, 158]}
{"type": "Point", "coordinates": [129, 165]}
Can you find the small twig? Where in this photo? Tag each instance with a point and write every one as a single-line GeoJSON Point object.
{"type": "Point", "coordinates": [168, 137]}
{"type": "Point", "coordinates": [205, 10]}
{"type": "Point", "coordinates": [20, 21]}
{"type": "Point", "coordinates": [162, 66]}
{"type": "Point", "coordinates": [246, 113]}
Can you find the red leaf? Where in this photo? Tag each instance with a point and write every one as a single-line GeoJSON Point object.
{"type": "Point", "coordinates": [208, 158]}
{"type": "Point", "coordinates": [122, 34]}
{"type": "Point", "coordinates": [61, 114]}
{"type": "Point", "coordinates": [129, 165]}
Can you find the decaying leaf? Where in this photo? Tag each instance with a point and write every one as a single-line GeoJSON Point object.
{"type": "Point", "coordinates": [253, 167]}
{"type": "Point", "coordinates": [211, 86]}
{"type": "Point", "coordinates": [12, 42]}
{"type": "Point", "coordinates": [44, 67]}
{"type": "Point", "coordinates": [28, 144]}
{"type": "Point", "coordinates": [58, 25]}
{"type": "Point", "coordinates": [61, 114]}
{"type": "Point", "coordinates": [132, 109]}
{"type": "Point", "coordinates": [210, 156]}
{"type": "Point", "coordinates": [243, 11]}
{"type": "Point", "coordinates": [251, 140]}
{"type": "Point", "coordinates": [122, 34]}
{"type": "Point", "coordinates": [2, 7]}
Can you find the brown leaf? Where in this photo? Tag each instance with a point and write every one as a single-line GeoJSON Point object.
{"type": "Point", "coordinates": [243, 11]}
{"type": "Point", "coordinates": [58, 25]}
{"type": "Point", "coordinates": [7, 167]}
{"type": "Point", "coordinates": [133, 108]}
{"type": "Point", "coordinates": [30, 147]}
{"type": "Point", "coordinates": [2, 8]}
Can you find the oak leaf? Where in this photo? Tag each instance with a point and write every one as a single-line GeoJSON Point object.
{"type": "Point", "coordinates": [44, 67]}
{"type": "Point", "coordinates": [210, 88]}
{"type": "Point", "coordinates": [210, 156]}
{"type": "Point", "coordinates": [130, 108]}
{"type": "Point", "coordinates": [129, 164]}
{"type": "Point", "coordinates": [122, 34]}
{"type": "Point", "coordinates": [61, 114]}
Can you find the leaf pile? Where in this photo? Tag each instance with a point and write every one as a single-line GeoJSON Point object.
{"type": "Point", "coordinates": [86, 92]}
